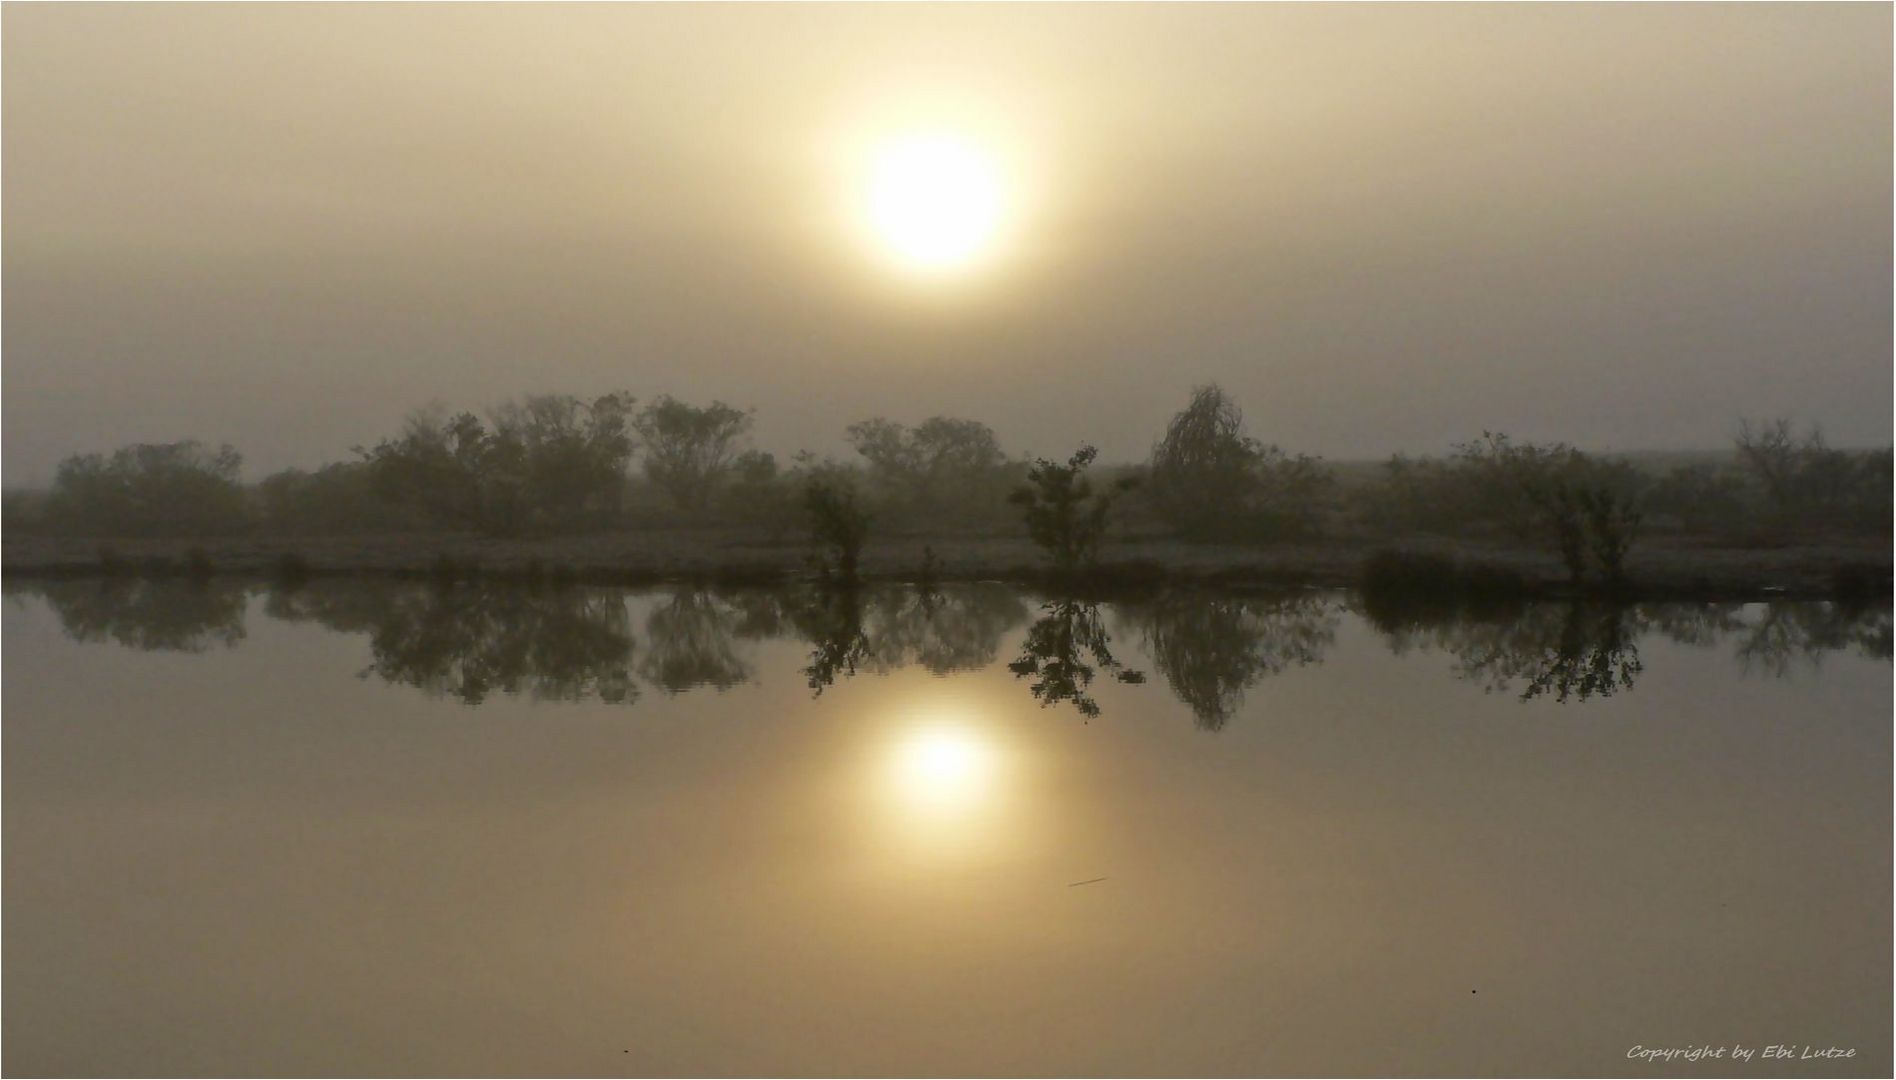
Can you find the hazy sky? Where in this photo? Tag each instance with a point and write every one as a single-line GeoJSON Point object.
{"type": "Point", "coordinates": [1381, 228]}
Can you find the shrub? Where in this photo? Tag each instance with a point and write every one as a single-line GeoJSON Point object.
{"type": "Point", "coordinates": [338, 498]}
{"type": "Point", "coordinates": [1856, 582]}
{"type": "Point", "coordinates": [197, 564]}
{"type": "Point", "coordinates": [1611, 519]}
{"type": "Point", "coordinates": [111, 563]}
{"type": "Point", "coordinates": [1411, 575]}
{"type": "Point", "coordinates": [1064, 515]}
{"type": "Point", "coordinates": [169, 489]}
{"type": "Point", "coordinates": [1210, 480]}
{"type": "Point", "coordinates": [838, 525]}
{"type": "Point", "coordinates": [1400, 588]}
{"type": "Point", "coordinates": [291, 569]}
{"type": "Point", "coordinates": [1702, 498]}
{"type": "Point", "coordinates": [1582, 506]}
{"type": "Point", "coordinates": [548, 461]}
{"type": "Point", "coordinates": [943, 465]}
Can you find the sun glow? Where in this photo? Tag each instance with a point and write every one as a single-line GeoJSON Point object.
{"type": "Point", "coordinates": [935, 201]}
{"type": "Point", "coordinates": [942, 768]}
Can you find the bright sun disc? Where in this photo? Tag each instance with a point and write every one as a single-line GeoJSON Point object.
{"type": "Point", "coordinates": [934, 200]}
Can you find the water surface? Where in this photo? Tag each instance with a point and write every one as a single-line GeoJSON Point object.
{"type": "Point", "coordinates": [363, 827]}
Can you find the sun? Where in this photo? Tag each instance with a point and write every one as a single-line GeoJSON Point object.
{"type": "Point", "coordinates": [934, 201]}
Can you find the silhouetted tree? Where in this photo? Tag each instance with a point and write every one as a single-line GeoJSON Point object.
{"type": "Point", "coordinates": [338, 498]}
{"type": "Point", "coordinates": [1612, 520]}
{"type": "Point", "coordinates": [561, 461]}
{"type": "Point", "coordinates": [688, 449]}
{"type": "Point", "coordinates": [437, 464]}
{"type": "Point", "coordinates": [1585, 507]}
{"type": "Point", "coordinates": [756, 491]}
{"type": "Point", "coordinates": [549, 460]}
{"type": "Point", "coordinates": [1201, 467]}
{"type": "Point", "coordinates": [1208, 478]}
{"type": "Point", "coordinates": [163, 489]}
{"type": "Point", "coordinates": [838, 525]}
{"type": "Point", "coordinates": [1064, 515]}
{"type": "Point", "coordinates": [1774, 456]}
{"type": "Point", "coordinates": [940, 460]}
{"type": "Point", "coordinates": [1807, 480]}
{"type": "Point", "coordinates": [1702, 498]}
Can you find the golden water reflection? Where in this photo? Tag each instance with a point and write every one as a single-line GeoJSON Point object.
{"type": "Point", "coordinates": [947, 779]}
{"type": "Point", "coordinates": [232, 854]}
{"type": "Point", "coordinates": [943, 769]}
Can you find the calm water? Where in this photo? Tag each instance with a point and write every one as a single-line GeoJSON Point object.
{"type": "Point", "coordinates": [363, 827]}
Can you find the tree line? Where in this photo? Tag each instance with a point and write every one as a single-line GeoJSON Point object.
{"type": "Point", "coordinates": [551, 464]}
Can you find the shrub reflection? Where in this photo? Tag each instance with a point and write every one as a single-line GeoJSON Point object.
{"type": "Point", "coordinates": [472, 639]}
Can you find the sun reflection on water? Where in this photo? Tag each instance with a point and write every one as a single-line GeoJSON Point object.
{"type": "Point", "coordinates": [945, 779]}
{"type": "Point", "coordinates": [943, 768]}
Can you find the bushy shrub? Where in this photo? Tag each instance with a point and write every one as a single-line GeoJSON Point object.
{"type": "Point", "coordinates": [548, 461]}
{"type": "Point", "coordinates": [758, 492]}
{"type": "Point", "coordinates": [1702, 498]}
{"type": "Point", "coordinates": [337, 498]}
{"type": "Point", "coordinates": [169, 489]}
{"type": "Point", "coordinates": [1210, 480]}
{"type": "Point", "coordinates": [942, 467]}
{"type": "Point", "coordinates": [1065, 516]}
{"type": "Point", "coordinates": [1585, 507]}
{"type": "Point", "coordinates": [838, 525]}
{"type": "Point", "coordinates": [1401, 588]}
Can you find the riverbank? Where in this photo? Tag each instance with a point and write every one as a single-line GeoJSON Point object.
{"type": "Point", "coordinates": [1665, 566]}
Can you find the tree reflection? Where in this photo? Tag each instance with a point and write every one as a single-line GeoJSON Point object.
{"type": "Point", "coordinates": [1212, 649]}
{"type": "Point", "coordinates": [470, 640]}
{"type": "Point", "coordinates": [467, 641]}
{"type": "Point", "coordinates": [152, 615]}
{"type": "Point", "coordinates": [831, 620]}
{"type": "Point", "coordinates": [942, 631]}
{"type": "Point", "coordinates": [883, 628]}
{"type": "Point", "coordinates": [1693, 624]}
{"type": "Point", "coordinates": [692, 643]}
{"type": "Point", "coordinates": [1791, 635]}
{"type": "Point", "coordinates": [1569, 652]}
{"type": "Point", "coordinates": [1065, 650]}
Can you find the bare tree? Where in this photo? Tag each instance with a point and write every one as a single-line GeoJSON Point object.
{"type": "Point", "coordinates": [1772, 453]}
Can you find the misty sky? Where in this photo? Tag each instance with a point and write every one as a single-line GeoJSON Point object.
{"type": "Point", "coordinates": [1381, 228]}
